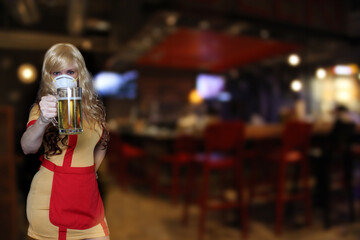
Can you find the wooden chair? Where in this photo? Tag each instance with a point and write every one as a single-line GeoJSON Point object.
{"type": "Point", "coordinates": [223, 144]}
{"type": "Point", "coordinates": [122, 158]}
{"type": "Point", "coordinates": [184, 149]}
{"type": "Point", "coordinates": [292, 151]}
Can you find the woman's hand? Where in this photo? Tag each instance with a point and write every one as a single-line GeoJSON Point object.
{"type": "Point", "coordinates": [32, 138]}
{"type": "Point", "coordinates": [48, 108]}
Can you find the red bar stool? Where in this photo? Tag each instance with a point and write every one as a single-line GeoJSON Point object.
{"type": "Point", "coordinates": [121, 158]}
{"type": "Point", "coordinates": [224, 143]}
{"type": "Point", "coordinates": [292, 152]}
{"type": "Point", "coordinates": [184, 149]}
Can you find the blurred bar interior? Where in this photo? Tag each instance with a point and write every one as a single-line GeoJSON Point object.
{"type": "Point", "coordinates": [168, 68]}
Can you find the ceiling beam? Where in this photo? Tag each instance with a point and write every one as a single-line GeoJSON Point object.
{"type": "Point", "coordinates": [22, 40]}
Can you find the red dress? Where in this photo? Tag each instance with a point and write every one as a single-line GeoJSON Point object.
{"type": "Point", "coordinates": [64, 200]}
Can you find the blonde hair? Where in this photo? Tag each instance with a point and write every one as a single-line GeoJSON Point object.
{"type": "Point", "coordinates": [58, 57]}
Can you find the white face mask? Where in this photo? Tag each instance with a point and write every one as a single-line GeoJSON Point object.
{"type": "Point", "coordinates": [65, 81]}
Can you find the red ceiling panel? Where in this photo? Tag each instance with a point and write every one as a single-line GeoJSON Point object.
{"type": "Point", "coordinates": [212, 51]}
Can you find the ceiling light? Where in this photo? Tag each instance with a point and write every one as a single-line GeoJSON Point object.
{"type": "Point", "coordinates": [321, 73]}
{"type": "Point", "coordinates": [27, 73]}
{"type": "Point", "coordinates": [294, 59]}
{"type": "Point", "coordinates": [171, 20]}
{"type": "Point", "coordinates": [296, 85]}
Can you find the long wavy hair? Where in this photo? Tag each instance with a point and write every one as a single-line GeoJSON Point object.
{"type": "Point", "coordinates": [58, 57]}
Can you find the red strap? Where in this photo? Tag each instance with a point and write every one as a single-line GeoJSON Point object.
{"type": "Point", "coordinates": [30, 123]}
{"type": "Point", "coordinates": [59, 169]}
{"type": "Point", "coordinates": [104, 226]}
{"type": "Point", "coordinates": [62, 233]}
{"type": "Point", "coordinates": [102, 134]}
{"type": "Point", "coordinates": [70, 150]}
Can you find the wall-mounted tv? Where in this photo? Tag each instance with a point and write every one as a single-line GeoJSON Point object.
{"type": "Point", "coordinates": [116, 85]}
{"type": "Point", "coordinates": [209, 86]}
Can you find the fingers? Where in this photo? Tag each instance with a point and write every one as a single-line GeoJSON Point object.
{"type": "Point", "coordinates": [49, 99]}
{"type": "Point", "coordinates": [48, 107]}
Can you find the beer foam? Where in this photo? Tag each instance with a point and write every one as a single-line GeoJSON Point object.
{"type": "Point", "coordinates": [69, 98]}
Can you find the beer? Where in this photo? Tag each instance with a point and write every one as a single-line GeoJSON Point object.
{"type": "Point", "coordinates": [69, 111]}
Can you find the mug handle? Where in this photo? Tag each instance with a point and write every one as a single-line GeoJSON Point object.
{"type": "Point", "coordinates": [54, 122]}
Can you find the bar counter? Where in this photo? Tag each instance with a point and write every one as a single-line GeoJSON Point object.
{"type": "Point", "coordinates": [252, 132]}
{"type": "Point", "coordinates": [274, 130]}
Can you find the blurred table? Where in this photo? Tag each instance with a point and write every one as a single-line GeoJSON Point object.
{"type": "Point", "coordinates": [252, 132]}
{"type": "Point", "coordinates": [162, 141]}
{"type": "Point", "coordinates": [263, 131]}
{"type": "Point", "coordinates": [275, 130]}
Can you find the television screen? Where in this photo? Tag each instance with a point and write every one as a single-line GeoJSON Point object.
{"type": "Point", "coordinates": [209, 86]}
{"type": "Point", "coordinates": [117, 85]}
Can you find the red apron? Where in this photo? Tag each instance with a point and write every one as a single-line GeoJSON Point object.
{"type": "Point", "coordinates": [75, 201]}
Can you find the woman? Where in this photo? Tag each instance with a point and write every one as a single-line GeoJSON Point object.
{"type": "Point", "coordinates": [64, 200]}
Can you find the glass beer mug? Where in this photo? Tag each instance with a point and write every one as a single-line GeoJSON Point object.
{"type": "Point", "coordinates": [69, 111]}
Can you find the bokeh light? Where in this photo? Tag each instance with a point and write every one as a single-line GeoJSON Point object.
{"type": "Point", "coordinates": [321, 73]}
{"type": "Point", "coordinates": [194, 97]}
{"type": "Point", "coordinates": [27, 73]}
{"type": "Point", "coordinates": [296, 85]}
{"type": "Point", "coordinates": [294, 59]}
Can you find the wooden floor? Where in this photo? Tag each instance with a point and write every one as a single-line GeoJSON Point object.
{"type": "Point", "coordinates": [136, 215]}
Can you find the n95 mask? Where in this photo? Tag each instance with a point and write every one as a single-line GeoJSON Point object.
{"type": "Point", "coordinates": [65, 81]}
